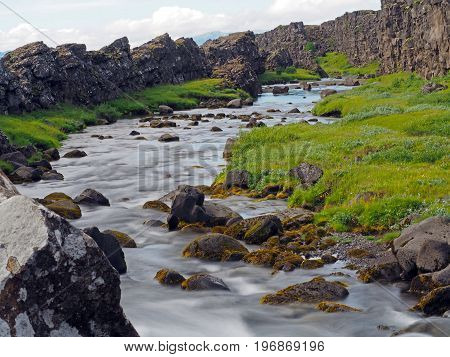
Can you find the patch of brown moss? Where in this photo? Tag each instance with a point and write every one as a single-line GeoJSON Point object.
{"type": "Point", "coordinates": [124, 239]}
{"type": "Point", "coordinates": [312, 264]}
{"type": "Point", "coordinates": [157, 205]}
{"type": "Point", "coordinates": [332, 307]}
{"type": "Point", "coordinates": [358, 253]}
{"type": "Point", "coordinates": [264, 257]}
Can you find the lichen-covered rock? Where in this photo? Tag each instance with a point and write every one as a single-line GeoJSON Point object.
{"type": "Point", "coordinates": [124, 239]}
{"type": "Point", "coordinates": [215, 247]}
{"type": "Point", "coordinates": [92, 198]}
{"type": "Point", "coordinates": [332, 307]}
{"type": "Point", "coordinates": [264, 257]}
{"type": "Point", "coordinates": [110, 246]}
{"type": "Point", "coordinates": [313, 291]}
{"type": "Point", "coordinates": [436, 302]}
{"type": "Point", "coordinates": [201, 282]}
{"type": "Point", "coordinates": [169, 277]}
{"type": "Point", "coordinates": [54, 280]}
{"type": "Point", "coordinates": [65, 208]}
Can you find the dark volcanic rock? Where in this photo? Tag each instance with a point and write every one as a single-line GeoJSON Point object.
{"type": "Point", "coordinates": [75, 154]}
{"type": "Point", "coordinates": [110, 246]}
{"type": "Point", "coordinates": [91, 197]}
{"type": "Point", "coordinates": [49, 264]}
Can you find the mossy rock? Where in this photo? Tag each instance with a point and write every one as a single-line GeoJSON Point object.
{"type": "Point", "coordinates": [65, 208]}
{"type": "Point", "coordinates": [358, 253]}
{"type": "Point", "coordinates": [312, 264]}
{"type": "Point", "coordinates": [264, 257]}
{"type": "Point", "coordinates": [327, 243]}
{"type": "Point", "coordinates": [332, 307]}
{"type": "Point", "coordinates": [157, 205]}
{"type": "Point", "coordinates": [56, 196]}
{"type": "Point", "coordinates": [436, 302]}
{"type": "Point", "coordinates": [381, 272]}
{"type": "Point", "coordinates": [215, 247]}
{"type": "Point", "coordinates": [287, 261]}
{"type": "Point", "coordinates": [200, 282]}
{"type": "Point", "coordinates": [124, 240]}
{"type": "Point", "coordinates": [298, 247]}
{"type": "Point", "coordinates": [328, 259]}
{"type": "Point", "coordinates": [197, 228]}
{"type": "Point", "coordinates": [255, 230]}
{"type": "Point", "coordinates": [169, 277]}
{"type": "Point", "coordinates": [314, 291]}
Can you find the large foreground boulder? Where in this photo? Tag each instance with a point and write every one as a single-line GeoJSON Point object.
{"type": "Point", "coordinates": [54, 280]}
{"type": "Point", "coordinates": [424, 247]}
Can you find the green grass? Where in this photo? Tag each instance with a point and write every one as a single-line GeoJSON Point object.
{"type": "Point", "coordinates": [47, 128]}
{"type": "Point", "coordinates": [337, 64]}
{"type": "Point", "coordinates": [391, 147]}
{"type": "Point", "coordinates": [287, 75]}
{"type": "Point", "coordinates": [6, 167]}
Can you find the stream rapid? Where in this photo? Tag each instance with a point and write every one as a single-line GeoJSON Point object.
{"type": "Point", "coordinates": [130, 172]}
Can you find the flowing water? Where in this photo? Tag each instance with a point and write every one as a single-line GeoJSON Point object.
{"type": "Point", "coordinates": [130, 172]}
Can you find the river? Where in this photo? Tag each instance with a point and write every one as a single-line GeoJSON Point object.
{"type": "Point", "coordinates": [130, 172]}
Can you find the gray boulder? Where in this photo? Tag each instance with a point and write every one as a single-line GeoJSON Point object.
{"type": "Point", "coordinates": [227, 152]}
{"type": "Point", "coordinates": [237, 178]}
{"type": "Point", "coordinates": [235, 104]}
{"type": "Point", "coordinates": [16, 157]}
{"type": "Point", "coordinates": [327, 92]}
{"type": "Point", "coordinates": [165, 110]}
{"type": "Point", "coordinates": [54, 279]}
{"type": "Point", "coordinates": [75, 154]}
{"type": "Point", "coordinates": [308, 174]}
{"type": "Point", "coordinates": [423, 246]}
{"type": "Point", "coordinates": [26, 174]}
{"type": "Point", "coordinates": [219, 214]}
{"type": "Point", "coordinates": [280, 90]}
{"type": "Point", "coordinates": [200, 282]}
{"type": "Point", "coordinates": [167, 138]}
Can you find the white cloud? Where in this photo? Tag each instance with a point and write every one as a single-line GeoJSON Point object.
{"type": "Point", "coordinates": [181, 21]}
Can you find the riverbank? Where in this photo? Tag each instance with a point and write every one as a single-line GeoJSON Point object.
{"type": "Point", "coordinates": [386, 160]}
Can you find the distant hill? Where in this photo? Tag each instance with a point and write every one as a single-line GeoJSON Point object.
{"type": "Point", "coordinates": [201, 39]}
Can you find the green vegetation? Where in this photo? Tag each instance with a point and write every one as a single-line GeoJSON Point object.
{"type": "Point", "coordinates": [285, 75]}
{"type": "Point", "coordinates": [337, 64]}
{"type": "Point", "coordinates": [387, 158]}
{"type": "Point", "coordinates": [46, 128]}
{"type": "Point", "coordinates": [6, 167]}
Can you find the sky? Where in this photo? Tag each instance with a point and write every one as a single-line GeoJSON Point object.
{"type": "Point", "coordinates": [99, 22]}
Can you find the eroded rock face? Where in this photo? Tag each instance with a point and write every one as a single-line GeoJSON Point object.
{"type": "Point", "coordinates": [54, 280]}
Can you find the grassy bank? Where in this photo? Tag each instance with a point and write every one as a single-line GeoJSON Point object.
{"type": "Point", "coordinates": [337, 64]}
{"type": "Point", "coordinates": [387, 158]}
{"type": "Point", "coordinates": [287, 75]}
{"type": "Point", "coordinates": [46, 128]}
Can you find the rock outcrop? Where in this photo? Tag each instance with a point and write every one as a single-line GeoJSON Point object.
{"type": "Point", "coordinates": [54, 279]}
{"type": "Point", "coordinates": [36, 76]}
{"type": "Point", "coordinates": [236, 58]}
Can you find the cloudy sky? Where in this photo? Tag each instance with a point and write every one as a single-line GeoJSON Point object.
{"type": "Point", "coordinates": [99, 22]}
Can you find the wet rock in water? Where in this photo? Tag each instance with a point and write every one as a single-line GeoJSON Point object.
{"type": "Point", "coordinates": [172, 222]}
{"type": "Point", "coordinates": [52, 176]}
{"type": "Point", "coordinates": [298, 220]}
{"type": "Point", "coordinates": [332, 307]}
{"type": "Point", "coordinates": [235, 104]}
{"type": "Point", "coordinates": [424, 283]}
{"type": "Point", "coordinates": [65, 208]}
{"type": "Point", "coordinates": [433, 87]}
{"type": "Point", "coordinates": [110, 246]}
{"type": "Point", "coordinates": [158, 124]}
{"type": "Point", "coordinates": [436, 302]}
{"type": "Point", "coordinates": [389, 271]}
{"type": "Point", "coordinates": [308, 174]}
{"type": "Point", "coordinates": [141, 138]}
{"type": "Point", "coordinates": [313, 291]}
{"type": "Point", "coordinates": [352, 82]}
{"type": "Point", "coordinates": [227, 153]}
{"type": "Point", "coordinates": [312, 264]}
{"type": "Point", "coordinates": [328, 259]}
{"type": "Point", "coordinates": [48, 263]}
{"type": "Point", "coordinates": [169, 277]}
{"type": "Point", "coordinates": [42, 164]}
{"type": "Point", "coordinates": [75, 154]}
{"type": "Point", "coordinates": [26, 174]}
{"type": "Point", "coordinates": [154, 223]}
{"type": "Point", "coordinates": [165, 110]}
{"type": "Point", "coordinates": [219, 215]}
{"type": "Point", "coordinates": [167, 138]}
{"type": "Point", "coordinates": [124, 239]}
{"type": "Point", "coordinates": [200, 282]}
{"type": "Point", "coordinates": [280, 90]}
{"type": "Point", "coordinates": [215, 247]}
{"type": "Point", "coordinates": [216, 129]}
{"type": "Point", "coordinates": [157, 205]}
{"type": "Point", "coordinates": [327, 92]}
{"type": "Point", "coordinates": [51, 154]}
{"type": "Point", "coordinates": [423, 246]}
{"type": "Point", "coordinates": [255, 230]}
{"type": "Point", "coordinates": [92, 198]}
{"type": "Point", "coordinates": [237, 178]}
{"type": "Point", "coordinates": [294, 111]}
{"type": "Point", "coordinates": [287, 261]}
{"type": "Point", "coordinates": [194, 123]}
{"type": "Point", "coordinates": [135, 133]}
{"type": "Point", "coordinates": [248, 102]}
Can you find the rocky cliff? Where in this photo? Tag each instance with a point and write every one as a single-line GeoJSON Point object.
{"type": "Point", "coordinates": [36, 76]}
{"type": "Point", "coordinates": [405, 35]}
